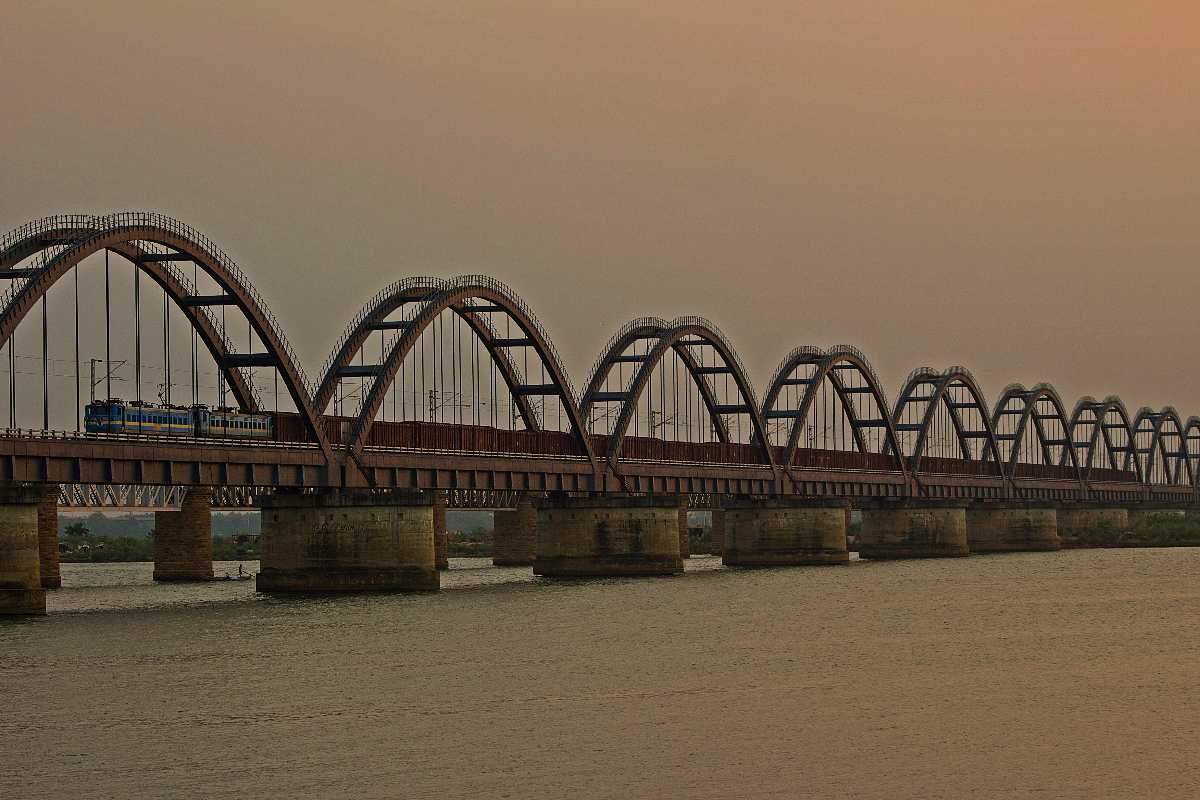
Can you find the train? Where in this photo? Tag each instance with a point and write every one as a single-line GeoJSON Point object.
{"type": "Point", "coordinates": [119, 416]}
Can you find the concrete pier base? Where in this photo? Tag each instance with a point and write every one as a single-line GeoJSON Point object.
{"type": "Point", "coordinates": [1076, 521]}
{"type": "Point", "coordinates": [441, 537]}
{"type": "Point", "coordinates": [607, 535]}
{"type": "Point", "coordinates": [514, 535]}
{"type": "Point", "coordinates": [47, 522]}
{"type": "Point", "coordinates": [914, 529]}
{"type": "Point", "coordinates": [785, 531]}
{"type": "Point", "coordinates": [21, 592]}
{"type": "Point", "coordinates": [183, 545]}
{"type": "Point", "coordinates": [348, 542]}
{"type": "Point", "coordinates": [1007, 526]}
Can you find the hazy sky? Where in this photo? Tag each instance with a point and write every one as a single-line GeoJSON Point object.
{"type": "Point", "coordinates": [1011, 186]}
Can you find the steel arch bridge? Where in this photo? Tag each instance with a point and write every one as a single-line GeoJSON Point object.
{"type": "Point", "coordinates": [488, 410]}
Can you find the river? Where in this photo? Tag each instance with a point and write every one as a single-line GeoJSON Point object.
{"type": "Point", "coordinates": [1055, 675]}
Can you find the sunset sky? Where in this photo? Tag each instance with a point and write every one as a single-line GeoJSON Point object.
{"type": "Point", "coordinates": [1010, 186]}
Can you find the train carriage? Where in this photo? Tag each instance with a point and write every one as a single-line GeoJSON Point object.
{"type": "Point", "coordinates": [133, 418]}
{"type": "Point", "coordinates": [226, 423]}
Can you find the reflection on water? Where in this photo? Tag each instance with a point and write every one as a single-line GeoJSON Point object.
{"type": "Point", "coordinates": [109, 587]}
{"type": "Point", "coordinates": [1065, 675]}
{"type": "Point", "coordinates": [96, 587]}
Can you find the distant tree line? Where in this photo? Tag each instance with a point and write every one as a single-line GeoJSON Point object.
{"type": "Point", "coordinates": [139, 526]}
{"type": "Point", "coordinates": [224, 523]}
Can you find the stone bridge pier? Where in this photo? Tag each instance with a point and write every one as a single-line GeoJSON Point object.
{"type": "Point", "coordinates": [784, 531]}
{"type": "Point", "coordinates": [47, 523]}
{"type": "Point", "coordinates": [599, 535]}
{"type": "Point", "coordinates": [1012, 525]}
{"type": "Point", "coordinates": [913, 528]}
{"type": "Point", "coordinates": [441, 537]}
{"type": "Point", "coordinates": [514, 535]}
{"type": "Point", "coordinates": [183, 544]}
{"type": "Point", "coordinates": [348, 541]}
{"type": "Point", "coordinates": [716, 533]}
{"type": "Point", "coordinates": [685, 544]}
{"type": "Point", "coordinates": [21, 591]}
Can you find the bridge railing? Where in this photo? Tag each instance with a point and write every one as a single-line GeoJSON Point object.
{"type": "Point", "coordinates": [40, 226]}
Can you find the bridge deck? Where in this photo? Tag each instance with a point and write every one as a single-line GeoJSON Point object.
{"type": "Point", "coordinates": [104, 459]}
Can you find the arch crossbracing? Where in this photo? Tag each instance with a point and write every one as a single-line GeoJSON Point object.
{"type": "Point", "coordinates": [473, 295]}
{"type": "Point", "coordinates": [1160, 447]}
{"type": "Point", "coordinates": [621, 348]}
{"type": "Point", "coordinates": [1101, 435]}
{"type": "Point", "coordinates": [154, 244]}
{"type": "Point", "coordinates": [373, 316]}
{"type": "Point", "coordinates": [945, 411]}
{"type": "Point", "coordinates": [1049, 433]}
{"type": "Point", "coordinates": [696, 342]}
{"type": "Point", "coordinates": [799, 381]}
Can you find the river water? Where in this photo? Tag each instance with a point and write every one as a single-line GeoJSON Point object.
{"type": "Point", "coordinates": [1059, 675]}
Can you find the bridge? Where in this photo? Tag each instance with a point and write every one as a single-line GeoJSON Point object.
{"type": "Point", "coordinates": [452, 391]}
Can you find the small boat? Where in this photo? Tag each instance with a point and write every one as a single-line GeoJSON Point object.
{"type": "Point", "coordinates": [242, 575]}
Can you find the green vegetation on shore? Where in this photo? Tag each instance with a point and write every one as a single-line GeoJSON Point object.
{"type": "Point", "coordinates": [475, 543]}
{"type": "Point", "coordinates": [103, 549]}
{"type": "Point", "coordinates": [140, 525]}
{"type": "Point", "coordinates": [78, 543]}
{"type": "Point", "coordinates": [1162, 530]}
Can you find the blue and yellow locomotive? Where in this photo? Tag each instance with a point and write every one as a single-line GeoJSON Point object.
{"type": "Point", "coordinates": [118, 416]}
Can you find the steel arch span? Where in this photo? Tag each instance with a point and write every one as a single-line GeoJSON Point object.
{"type": "Point", "coordinates": [678, 336]}
{"type": "Point", "coordinates": [154, 243]}
{"type": "Point", "coordinates": [1160, 448]}
{"type": "Point", "coordinates": [1191, 447]}
{"type": "Point", "coordinates": [374, 317]}
{"type": "Point", "coordinates": [1039, 404]}
{"type": "Point", "coordinates": [951, 391]}
{"type": "Point", "coordinates": [819, 367]}
{"type": "Point", "coordinates": [617, 352]}
{"type": "Point", "coordinates": [1102, 419]}
{"type": "Point", "coordinates": [473, 295]}
{"type": "Point", "coordinates": [46, 237]}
